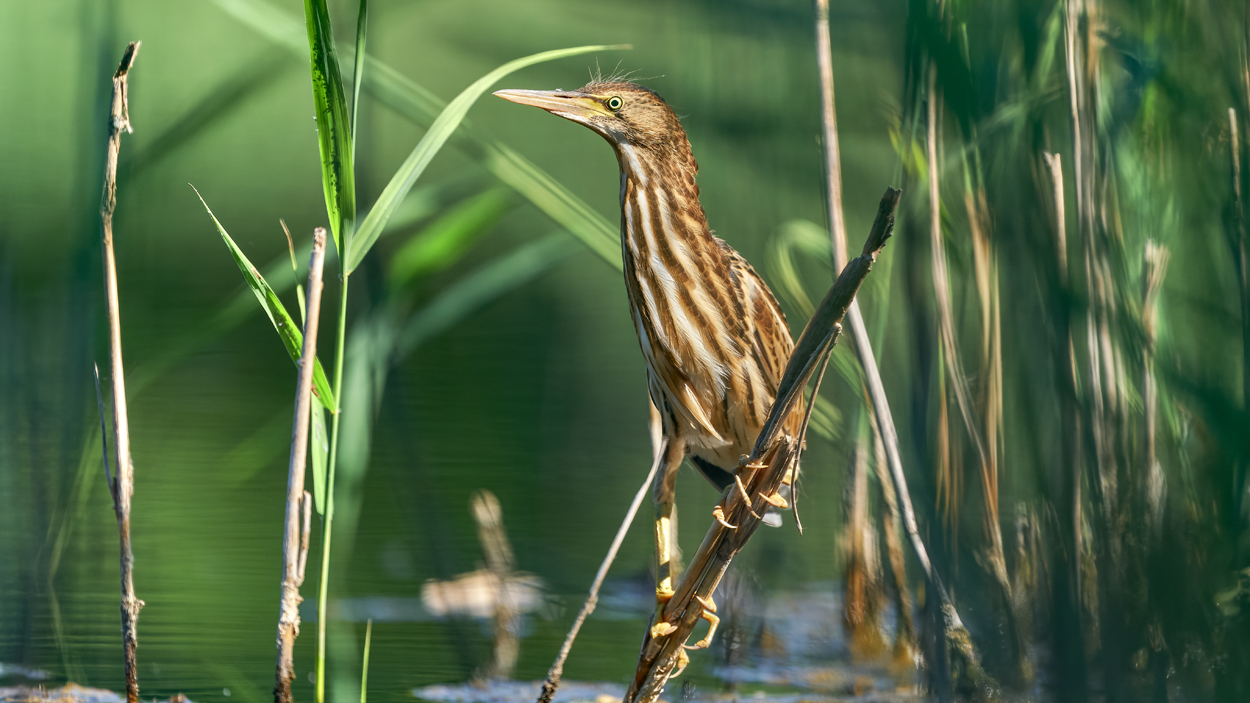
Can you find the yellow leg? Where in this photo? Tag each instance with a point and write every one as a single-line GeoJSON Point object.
{"type": "Point", "coordinates": [709, 610]}
{"type": "Point", "coordinates": [664, 494]}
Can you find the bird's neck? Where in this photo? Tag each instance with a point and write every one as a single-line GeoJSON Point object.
{"type": "Point", "coordinates": [660, 206]}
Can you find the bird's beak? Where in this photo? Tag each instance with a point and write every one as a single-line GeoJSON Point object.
{"type": "Point", "coordinates": [570, 105]}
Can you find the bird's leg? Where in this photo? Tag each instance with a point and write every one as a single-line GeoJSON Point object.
{"type": "Point", "coordinates": [709, 614]}
{"type": "Point", "coordinates": [664, 495]}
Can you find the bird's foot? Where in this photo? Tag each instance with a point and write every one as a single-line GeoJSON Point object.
{"type": "Point", "coordinates": [776, 501]}
{"type": "Point", "coordinates": [709, 610]}
{"type": "Point", "coordinates": [746, 498]}
{"type": "Point", "coordinates": [719, 514]}
{"type": "Point", "coordinates": [663, 592]}
{"type": "Point", "coordinates": [662, 629]}
{"type": "Point", "coordinates": [683, 660]}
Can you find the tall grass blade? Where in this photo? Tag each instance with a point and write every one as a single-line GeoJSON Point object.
{"type": "Point", "coordinates": [334, 131]}
{"type": "Point", "coordinates": [358, 72]}
{"type": "Point", "coordinates": [413, 101]}
{"type": "Point", "coordinates": [433, 141]}
{"type": "Point", "coordinates": [290, 333]}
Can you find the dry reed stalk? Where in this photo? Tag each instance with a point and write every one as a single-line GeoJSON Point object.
{"type": "Point", "coordinates": [957, 637]}
{"type": "Point", "coordinates": [659, 445]}
{"type": "Point", "coordinates": [762, 473]}
{"type": "Point", "coordinates": [1154, 268]}
{"type": "Point", "coordinates": [295, 541]}
{"type": "Point", "coordinates": [119, 121]}
{"type": "Point", "coordinates": [500, 562]}
{"type": "Point", "coordinates": [1239, 244]}
{"type": "Point", "coordinates": [905, 639]}
{"type": "Point", "coordinates": [861, 604]}
{"type": "Point", "coordinates": [952, 365]}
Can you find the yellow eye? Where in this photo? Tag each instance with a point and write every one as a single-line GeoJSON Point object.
{"type": "Point", "coordinates": [614, 103]}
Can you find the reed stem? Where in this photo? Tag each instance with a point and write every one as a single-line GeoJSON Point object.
{"type": "Point", "coordinates": [294, 554]}
{"type": "Point", "coordinates": [119, 121]}
{"type": "Point", "coordinates": [326, 525]}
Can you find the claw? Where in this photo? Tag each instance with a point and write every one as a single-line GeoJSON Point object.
{"type": "Point", "coordinates": [776, 501]}
{"type": "Point", "coordinates": [662, 629]}
{"type": "Point", "coordinates": [720, 517]}
{"type": "Point", "coordinates": [746, 499]}
{"type": "Point", "coordinates": [709, 607]}
{"type": "Point", "coordinates": [683, 660]}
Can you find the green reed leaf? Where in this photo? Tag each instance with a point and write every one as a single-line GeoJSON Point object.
{"type": "Point", "coordinates": [433, 141]}
{"type": "Point", "coordinates": [407, 98]}
{"type": "Point", "coordinates": [358, 72]}
{"type": "Point", "coordinates": [288, 331]}
{"type": "Point", "coordinates": [334, 130]}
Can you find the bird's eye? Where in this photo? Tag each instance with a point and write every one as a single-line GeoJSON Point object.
{"type": "Point", "coordinates": [614, 103]}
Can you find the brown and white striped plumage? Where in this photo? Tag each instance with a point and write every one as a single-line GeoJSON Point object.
{"type": "Point", "coordinates": [715, 340]}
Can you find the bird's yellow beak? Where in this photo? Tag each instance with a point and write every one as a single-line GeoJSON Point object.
{"type": "Point", "coordinates": [570, 105]}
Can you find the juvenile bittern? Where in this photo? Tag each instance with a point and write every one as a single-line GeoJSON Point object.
{"type": "Point", "coordinates": [714, 339]}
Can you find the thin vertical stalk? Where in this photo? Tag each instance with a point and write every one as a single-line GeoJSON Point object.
{"type": "Point", "coordinates": [957, 634]}
{"type": "Point", "coordinates": [294, 555]}
{"type": "Point", "coordinates": [829, 117]}
{"type": "Point", "coordinates": [326, 525]}
{"type": "Point", "coordinates": [1154, 268]}
{"type": "Point", "coordinates": [592, 599]}
{"type": "Point", "coordinates": [119, 121]}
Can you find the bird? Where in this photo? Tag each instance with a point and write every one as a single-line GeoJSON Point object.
{"type": "Point", "coordinates": [714, 339]}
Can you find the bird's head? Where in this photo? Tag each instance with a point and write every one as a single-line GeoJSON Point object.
{"type": "Point", "coordinates": [621, 111]}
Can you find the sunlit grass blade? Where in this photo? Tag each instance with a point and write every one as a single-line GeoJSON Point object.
{"type": "Point", "coordinates": [334, 134]}
{"type": "Point", "coordinates": [358, 72]}
{"type": "Point", "coordinates": [446, 239]}
{"type": "Point", "coordinates": [476, 289]}
{"type": "Point", "coordinates": [288, 331]}
{"type": "Point", "coordinates": [414, 102]}
{"type": "Point", "coordinates": [557, 202]}
{"type": "Point", "coordinates": [433, 141]}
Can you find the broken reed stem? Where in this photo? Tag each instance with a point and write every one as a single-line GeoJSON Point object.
{"type": "Point", "coordinates": [956, 633]}
{"type": "Point", "coordinates": [592, 599]}
{"type": "Point", "coordinates": [119, 121]}
{"type": "Point", "coordinates": [772, 456]}
{"type": "Point", "coordinates": [295, 544]}
{"type": "Point", "coordinates": [500, 562]}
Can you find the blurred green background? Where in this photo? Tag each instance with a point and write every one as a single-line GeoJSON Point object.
{"type": "Point", "coordinates": [538, 393]}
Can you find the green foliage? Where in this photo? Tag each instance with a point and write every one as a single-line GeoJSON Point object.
{"type": "Point", "coordinates": [334, 131]}
{"type": "Point", "coordinates": [416, 103]}
{"type": "Point", "coordinates": [434, 139]}
{"type": "Point", "coordinates": [287, 330]}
